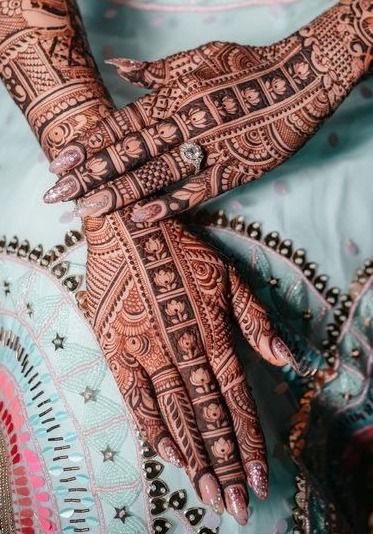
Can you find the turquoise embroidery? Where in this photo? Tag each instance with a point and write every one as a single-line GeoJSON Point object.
{"type": "Point", "coordinates": [62, 351]}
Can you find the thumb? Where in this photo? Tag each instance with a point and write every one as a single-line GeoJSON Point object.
{"type": "Point", "coordinates": [256, 326]}
{"type": "Point", "coordinates": [154, 74]}
{"type": "Point", "coordinates": [205, 62]}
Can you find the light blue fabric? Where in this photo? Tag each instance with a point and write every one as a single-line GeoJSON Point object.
{"type": "Point", "coordinates": [321, 200]}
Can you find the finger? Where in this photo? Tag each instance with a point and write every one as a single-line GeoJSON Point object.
{"type": "Point", "coordinates": [202, 63]}
{"type": "Point", "coordinates": [197, 189]}
{"type": "Point", "coordinates": [146, 180]}
{"type": "Point", "coordinates": [135, 116]}
{"type": "Point", "coordinates": [212, 417]}
{"type": "Point", "coordinates": [211, 59]}
{"type": "Point", "coordinates": [256, 325]}
{"type": "Point", "coordinates": [242, 408]}
{"type": "Point", "coordinates": [178, 411]}
{"type": "Point", "coordinates": [138, 392]}
{"type": "Point", "coordinates": [131, 152]}
{"type": "Point", "coordinates": [154, 74]}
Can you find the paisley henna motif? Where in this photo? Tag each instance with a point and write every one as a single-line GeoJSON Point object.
{"type": "Point", "coordinates": [159, 300]}
{"type": "Point", "coordinates": [249, 108]}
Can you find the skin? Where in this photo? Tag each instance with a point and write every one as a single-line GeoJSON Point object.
{"type": "Point", "coordinates": [249, 108]}
{"type": "Point", "coordinates": [160, 301]}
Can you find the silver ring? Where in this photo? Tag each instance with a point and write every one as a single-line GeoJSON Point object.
{"type": "Point", "coordinates": [192, 153]}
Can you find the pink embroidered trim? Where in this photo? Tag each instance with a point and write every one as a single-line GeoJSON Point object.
{"type": "Point", "coordinates": [152, 6]}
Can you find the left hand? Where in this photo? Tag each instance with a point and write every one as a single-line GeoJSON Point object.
{"type": "Point", "coordinates": [247, 108]}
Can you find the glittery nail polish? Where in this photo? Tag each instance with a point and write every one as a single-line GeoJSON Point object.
{"type": "Point", "coordinates": [67, 160]}
{"type": "Point", "coordinates": [169, 452]}
{"type": "Point", "coordinates": [63, 190]}
{"type": "Point", "coordinates": [257, 478]}
{"type": "Point", "coordinates": [237, 504]}
{"type": "Point", "coordinates": [216, 503]}
{"type": "Point", "coordinates": [282, 351]}
{"type": "Point", "coordinates": [93, 206]}
{"type": "Point", "coordinates": [125, 63]}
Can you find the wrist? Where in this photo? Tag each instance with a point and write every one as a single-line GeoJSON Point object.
{"type": "Point", "coordinates": [341, 46]}
{"type": "Point", "coordinates": [356, 19]}
{"type": "Point", "coordinates": [72, 97]}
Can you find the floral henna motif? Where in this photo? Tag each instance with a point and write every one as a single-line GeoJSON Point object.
{"type": "Point", "coordinates": [249, 108]}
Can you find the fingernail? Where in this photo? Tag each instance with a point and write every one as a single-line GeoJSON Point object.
{"type": "Point", "coordinates": [63, 190]}
{"type": "Point", "coordinates": [258, 479]}
{"type": "Point", "coordinates": [170, 453]}
{"type": "Point", "coordinates": [126, 64]}
{"type": "Point", "coordinates": [236, 504]}
{"type": "Point", "coordinates": [147, 213]}
{"type": "Point", "coordinates": [282, 351]}
{"type": "Point", "coordinates": [67, 160]}
{"type": "Point", "coordinates": [93, 206]}
{"type": "Point", "coordinates": [211, 494]}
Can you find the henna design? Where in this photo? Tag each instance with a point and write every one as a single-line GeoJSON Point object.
{"type": "Point", "coordinates": [171, 314]}
{"type": "Point", "coordinates": [249, 108]}
{"type": "Point", "coordinates": [58, 106]}
{"type": "Point", "coordinates": [159, 300]}
{"type": "Point", "coordinates": [48, 70]}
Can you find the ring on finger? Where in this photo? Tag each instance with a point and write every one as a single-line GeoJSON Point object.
{"type": "Point", "coordinates": [192, 153]}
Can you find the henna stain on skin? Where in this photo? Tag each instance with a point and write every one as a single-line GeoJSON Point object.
{"type": "Point", "coordinates": [248, 108]}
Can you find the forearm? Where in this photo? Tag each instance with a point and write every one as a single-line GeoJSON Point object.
{"type": "Point", "coordinates": [47, 67]}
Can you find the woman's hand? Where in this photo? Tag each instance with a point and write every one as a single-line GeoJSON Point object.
{"type": "Point", "coordinates": [248, 108]}
{"type": "Point", "coordinates": [161, 303]}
